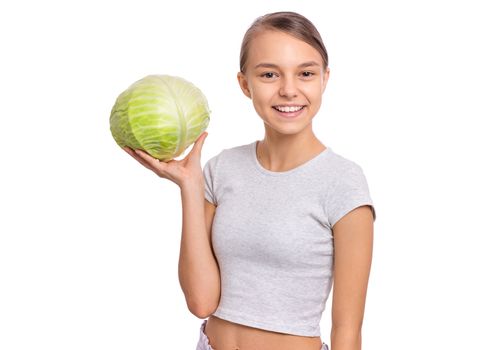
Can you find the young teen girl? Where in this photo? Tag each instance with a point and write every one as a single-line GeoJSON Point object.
{"type": "Point", "coordinates": [283, 219]}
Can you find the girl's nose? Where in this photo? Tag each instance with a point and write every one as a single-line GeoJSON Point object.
{"type": "Point", "coordinates": [288, 88]}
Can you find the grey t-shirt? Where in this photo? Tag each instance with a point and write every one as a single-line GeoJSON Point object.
{"type": "Point", "coordinates": [272, 235]}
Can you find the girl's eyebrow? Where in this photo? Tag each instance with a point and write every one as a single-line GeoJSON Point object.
{"type": "Point", "coordinates": [308, 64]}
{"type": "Point", "coordinates": [272, 65]}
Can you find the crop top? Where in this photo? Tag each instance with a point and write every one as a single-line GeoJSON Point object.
{"type": "Point", "coordinates": [272, 235]}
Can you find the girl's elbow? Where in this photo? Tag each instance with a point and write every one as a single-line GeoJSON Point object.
{"type": "Point", "coordinates": [202, 310]}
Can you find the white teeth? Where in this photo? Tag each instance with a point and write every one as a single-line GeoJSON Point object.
{"type": "Point", "coordinates": [288, 109]}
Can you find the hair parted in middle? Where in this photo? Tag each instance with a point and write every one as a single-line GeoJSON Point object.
{"type": "Point", "coordinates": [291, 23]}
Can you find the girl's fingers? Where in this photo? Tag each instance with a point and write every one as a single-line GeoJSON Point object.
{"type": "Point", "coordinates": [140, 160]}
{"type": "Point", "coordinates": [153, 162]}
{"type": "Point", "coordinates": [161, 169]}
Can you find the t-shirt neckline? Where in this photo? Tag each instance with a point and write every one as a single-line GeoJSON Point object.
{"type": "Point", "coordinates": [253, 151]}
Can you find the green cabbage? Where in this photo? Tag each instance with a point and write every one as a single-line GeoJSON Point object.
{"type": "Point", "coordinates": [160, 114]}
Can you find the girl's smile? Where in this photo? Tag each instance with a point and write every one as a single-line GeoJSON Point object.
{"type": "Point", "coordinates": [289, 111]}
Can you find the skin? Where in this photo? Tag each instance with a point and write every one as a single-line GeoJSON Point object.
{"type": "Point", "coordinates": [281, 70]}
{"type": "Point", "coordinates": [287, 143]}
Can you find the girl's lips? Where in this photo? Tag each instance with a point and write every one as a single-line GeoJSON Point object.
{"type": "Point", "coordinates": [289, 115]}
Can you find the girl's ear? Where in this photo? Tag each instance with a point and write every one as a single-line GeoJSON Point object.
{"type": "Point", "coordinates": [242, 81]}
{"type": "Point", "coordinates": [326, 75]}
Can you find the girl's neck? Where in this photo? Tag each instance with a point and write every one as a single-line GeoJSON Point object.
{"type": "Point", "coordinates": [287, 152]}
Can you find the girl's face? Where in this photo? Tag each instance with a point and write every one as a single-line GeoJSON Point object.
{"type": "Point", "coordinates": [285, 79]}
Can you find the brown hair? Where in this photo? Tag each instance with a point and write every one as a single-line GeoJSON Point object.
{"type": "Point", "coordinates": [290, 23]}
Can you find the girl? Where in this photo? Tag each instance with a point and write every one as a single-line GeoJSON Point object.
{"type": "Point", "coordinates": [263, 223]}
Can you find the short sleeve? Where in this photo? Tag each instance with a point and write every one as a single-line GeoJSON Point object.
{"type": "Point", "coordinates": [209, 172]}
{"type": "Point", "coordinates": [348, 192]}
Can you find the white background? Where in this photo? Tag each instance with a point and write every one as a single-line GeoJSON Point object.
{"type": "Point", "coordinates": [90, 239]}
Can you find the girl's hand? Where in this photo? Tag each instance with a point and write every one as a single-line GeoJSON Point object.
{"type": "Point", "coordinates": [187, 170]}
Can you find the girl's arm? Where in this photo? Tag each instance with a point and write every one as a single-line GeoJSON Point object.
{"type": "Point", "coordinates": [198, 270]}
{"type": "Point", "coordinates": [353, 245]}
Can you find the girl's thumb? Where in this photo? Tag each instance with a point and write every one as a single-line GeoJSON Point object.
{"type": "Point", "coordinates": [198, 145]}
{"type": "Point", "coordinates": [203, 137]}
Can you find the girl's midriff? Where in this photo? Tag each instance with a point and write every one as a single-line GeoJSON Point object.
{"type": "Point", "coordinates": [226, 335]}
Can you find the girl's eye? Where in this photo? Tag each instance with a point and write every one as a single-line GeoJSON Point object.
{"type": "Point", "coordinates": [268, 75]}
{"type": "Point", "coordinates": [307, 74]}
